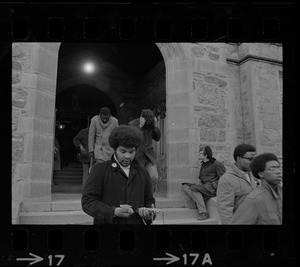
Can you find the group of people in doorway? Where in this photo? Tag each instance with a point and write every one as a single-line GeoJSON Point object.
{"type": "Point", "coordinates": [120, 175]}
{"type": "Point", "coordinates": [119, 168]}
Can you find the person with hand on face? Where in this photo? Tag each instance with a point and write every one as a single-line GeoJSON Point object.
{"type": "Point", "coordinates": [147, 123]}
{"type": "Point", "coordinates": [119, 191]}
{"type": "Point", "coordinates": [264, 204]}
{"type": "Point", "coordinates": [236, 183]}
{"type": "Point", "coordinates": [100, 128]}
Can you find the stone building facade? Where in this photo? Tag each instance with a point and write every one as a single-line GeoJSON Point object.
{"type": "Point", "coordinates": [215, 93]}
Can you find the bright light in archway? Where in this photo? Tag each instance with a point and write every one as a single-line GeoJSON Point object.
{"type": "Point", "coordinates": [89, 67]}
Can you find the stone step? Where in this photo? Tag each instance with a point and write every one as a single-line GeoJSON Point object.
{"type": "Point", "coordinates": [171, 216]}
{"type": "Point", "coordinates": [68, 202]}
{"type": "Point", "coordinates": [68, 173]}
{"type": "Point", "coordinates": [68, 179]}
{"type": "Point", "coordinates": [188, 221]}
{"type": "Point", "coordinates": [55, 217]}
{"type": "Point", "coordinates": [66, 209]}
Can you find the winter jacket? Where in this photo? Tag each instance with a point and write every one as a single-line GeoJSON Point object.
{"type": "Point", "coordinates": [262, 206]}
{"type": "Point", "coordinates": [209, 175]}
{"type": "Point", "coordinates": [82, 139]}
{"type": "Point", "coordinates": [98, 137]}
{"type": "Point", "coordinates": [108, 186]}
{"type": "Point", "coordinates": [211, 171]}
{"type": "Point", "coordinates": [146, 149]}
{"type": "Point", "coordinates": [233, 188]}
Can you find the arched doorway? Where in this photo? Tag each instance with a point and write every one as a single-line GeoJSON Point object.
{"type": "Point", "coordinates": [120, 81]}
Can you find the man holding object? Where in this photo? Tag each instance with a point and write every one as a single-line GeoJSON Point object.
{"type": "Point", "coordinates": [119, 191]}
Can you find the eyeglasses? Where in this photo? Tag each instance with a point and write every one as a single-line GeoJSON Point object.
{"type": "Point", "coordinates": [274, 168]}
{"type": "Point", "coordinates": [250, 159]}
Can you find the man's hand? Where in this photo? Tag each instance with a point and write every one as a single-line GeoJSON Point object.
{"type": "Point", "coordinates": [142, 122]}
{"type": "Point", "coordinates": [91, 155]}
{"type": "Point", "coordinates": [145, 214]}
{"type": "Point", "coordinates": [123, 212]}
{"type": "Point", "coordinates": [82, 149]}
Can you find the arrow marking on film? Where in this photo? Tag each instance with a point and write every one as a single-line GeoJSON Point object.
{"type": "Point", "coordinates": [34, 260]}
{"type": "Point", "coordinates": [171, 260]}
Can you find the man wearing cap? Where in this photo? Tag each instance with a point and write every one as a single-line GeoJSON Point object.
{"type": "Point", "coordinates": [264, 204]}
{"type": "Point", "coordinates": [210, 172]}
{"type": "Point", "coordinates": [99, 131]}
{"type": "Point", "coordinates": [236, 183]}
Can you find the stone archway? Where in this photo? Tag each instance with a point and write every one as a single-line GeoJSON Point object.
{"type": "Point", "coordinates": [34, 91]}
{"type": "Point", "coordinates": [179, 117]}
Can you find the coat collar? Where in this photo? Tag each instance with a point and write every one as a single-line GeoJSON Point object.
{"type": "Point", "coordinates": [104, 125]}
{"type": "Point", "coordinates": [116, 167]}
{"type": "Point", "coordinates": [268, 187]}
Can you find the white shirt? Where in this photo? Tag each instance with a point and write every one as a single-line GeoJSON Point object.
{"type": "Point", "coordinates": [125, 169]}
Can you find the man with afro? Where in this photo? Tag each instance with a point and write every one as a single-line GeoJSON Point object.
{"type": "Point", "coordinates": [264, 204]}
{"type": "Point", "coordinates": [119, 191]}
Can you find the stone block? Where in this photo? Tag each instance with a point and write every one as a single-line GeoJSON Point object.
{"type": "Point", "coordinates": [45, 105]}
{"type": "Point", "coordinates": [38, 148]}
{"type": "Point", "coordinates": [23, 171]}
{"type": "Point", "coordinates": [178, 117]}
{"type": "Point", "coordinates": [44, 62]}
{"type": "Point", "coordinates": [179, 135]}
{"type": "Point", "coordinates": [175, 190]}
{"type": "Point", "coordinates": [41, 190]}
{"type": "Point", "coordinates": [21, 189]}
{"type": "Point", "coordinates": [178, 154]}
{"type": "Point", "coordinates": [178, 81]}
{"type": "Point", "coordinates": [179, 99]}
{"type": "Point", "coordinates": [41, 172]}
{"type": "Point", "coordinates": [179, 174]}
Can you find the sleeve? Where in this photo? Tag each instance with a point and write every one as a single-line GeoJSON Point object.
{"type": "Point", "coordinates": [92, 194]}
{"type": "Point", "coordinates": [148, 195]}
{"type": "Point", "coordinates": [225, 200]}
{"type": "Point", "coordinates": [246, 213]}
{"type": "Point", "coordinates": [156, 133]}
{"type": "Point", "coordinates": [220, 169]}
{"type": "Point", "coordinates": [77, 139]}
{"type": "Point", "coordinates": [92, 132]}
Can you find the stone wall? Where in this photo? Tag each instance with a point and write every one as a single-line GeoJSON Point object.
{"type": "Point", "coordinates": [34, 69]}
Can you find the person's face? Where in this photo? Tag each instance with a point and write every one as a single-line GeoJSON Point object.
{"type": "Point", "coordinates": [125, 155]}
{"type": "Point", "coordinates": [201, 155]}
{"type": "Point", "coordinates": [244, 162]}
{"type": "Point", "coordinates": [104, 118]}
{"type": "Point", "coordinates": [272, 173]}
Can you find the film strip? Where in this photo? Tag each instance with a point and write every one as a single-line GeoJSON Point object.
{"type": "Point", "coordinates": [164, 244]}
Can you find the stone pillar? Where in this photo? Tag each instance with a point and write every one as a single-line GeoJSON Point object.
{"type": "Point", "coordinates": [33, 108]}
{"type": "Point", "coordinates": [178, 118]}
{"type": "Point", "coordinates": [261, 100]}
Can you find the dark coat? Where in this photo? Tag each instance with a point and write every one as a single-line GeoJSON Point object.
{"type": "Point", "coordinates": [146, 148]}
{"type": "Point", "coordinates": [209, 175]}
{"type": "Point", "coordinates": [82, 138]}
{"type": "Point", "coordinates": [108, 186]}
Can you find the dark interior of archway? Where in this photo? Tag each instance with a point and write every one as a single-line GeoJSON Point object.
{"type": "Point", "coordinates": [75, 106]}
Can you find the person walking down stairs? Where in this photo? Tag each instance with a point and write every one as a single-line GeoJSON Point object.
{"type": "Point", "coordinates": [80, 141]}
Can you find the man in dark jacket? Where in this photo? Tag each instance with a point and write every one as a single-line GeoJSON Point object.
{"type": "Point", "coordinates": [80, 141]}
{"type": "Point", "coordinates": [119, 191]}
{"type": "Point", "coordinates": [145, 153]}
{"type": "Point", "coordinates": [210, 172]}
